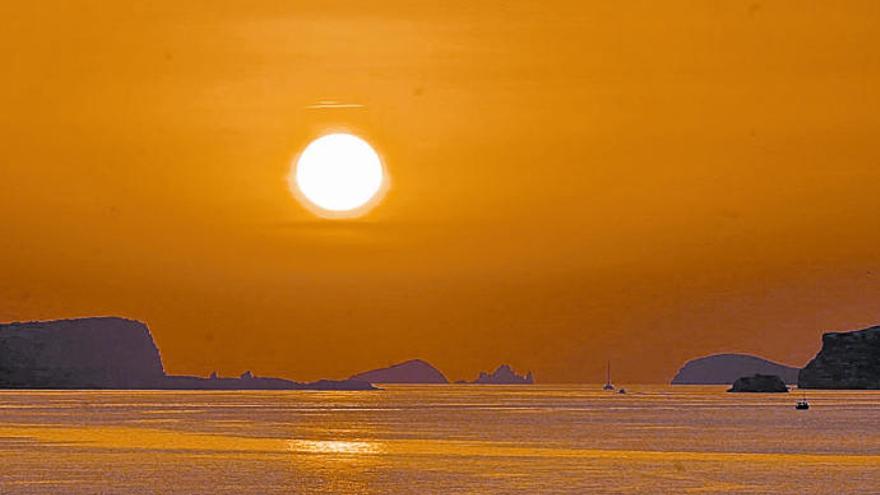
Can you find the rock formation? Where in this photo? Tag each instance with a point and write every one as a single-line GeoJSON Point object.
{"type": "Point", "coordinates": [177, 382]}
{"type": "Point", "coordinates": [412, 371]}
{"type": "Point", "coordinates": [848, 360]}
{"type": "Point", "coordinates": [112, 353]}
{"type": "Point", "coordinates": [79, 353]}
{"type": "Point", "coordinates": [504, 375]}
{"type": "Point", "coordinates": [723, 369]}
{"type": "Point", "coordinates": [759, 383]}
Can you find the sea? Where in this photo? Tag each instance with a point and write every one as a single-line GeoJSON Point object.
{"type": "Point", "coordinates": [446, 439]}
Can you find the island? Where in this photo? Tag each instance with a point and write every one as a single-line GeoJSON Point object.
{"type": "Point", "coordinates": [759, 383]}
{"type": "Point", "coordinates": [724, 369]}
{"type": "Point", "coordinates": [847, 360]}
{"type": "Point", "coordinates": [412, 371]}
{"type": "Point", "coordinates": [504, 375]}
{"type": "Point", "coordinates": [112, 353]}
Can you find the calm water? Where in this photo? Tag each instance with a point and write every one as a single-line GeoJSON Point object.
{"type": "Point", "coordinates": [439, 439]}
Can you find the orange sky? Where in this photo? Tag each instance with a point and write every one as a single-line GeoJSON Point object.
{"type": "Point", "coordinates": [572, 182]}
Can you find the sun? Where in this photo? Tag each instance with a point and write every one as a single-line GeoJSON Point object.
{"type": "Point", "coordinates": [338, 175]}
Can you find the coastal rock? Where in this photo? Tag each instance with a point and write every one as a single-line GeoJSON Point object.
{"type": "Point", "coordinates": [847, 360]}
{"type": "Point", "coordinates": [724, 369]}
{"type": "Point", "coordinates": [79, 353]}
{"type": "Point", "coordinates": [759, 383]}
{"type": "Point", "coordinates": [412, 371]}
{"type": "Point", "coordinates": [112, 353]}
{"type": "Point", "coordinates": [504, 375]}
{"type": "Point", "coordinates": [252, 382]}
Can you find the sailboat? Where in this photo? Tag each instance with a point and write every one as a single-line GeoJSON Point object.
{"type": "Point", "coordinates": [608, 385]}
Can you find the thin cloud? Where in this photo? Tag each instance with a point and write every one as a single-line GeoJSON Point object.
{"type": "Point", "coordinates": [329, 104]}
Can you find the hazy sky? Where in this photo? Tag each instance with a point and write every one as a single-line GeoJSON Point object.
{"type": "Point", "coordinates": [572, 182]}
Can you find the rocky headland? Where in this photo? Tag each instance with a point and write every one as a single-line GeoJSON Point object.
{"type": "Point", "coordinates": [847, 360]}
{"type": "Point", "coordinates": [112, 353]}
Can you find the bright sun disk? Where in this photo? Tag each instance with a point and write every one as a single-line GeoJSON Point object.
{"type": "Point", "coordinates": [338, 174]}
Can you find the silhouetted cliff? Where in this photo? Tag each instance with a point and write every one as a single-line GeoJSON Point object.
{"type": "Point", "coordinates": [724, 369]}
{"type": "Point", "coordinates": [759, 383]}
{"type": "Point", "coordinates": [80, 353]}
{"type": "Point", "coordinates": [504, 375]}
{"type": "Point", "coordinates": [848, 360]}
{"type": "Point", "coordinates": [112, 353]}
{"type": "Point", "coordinates": [412, 371]}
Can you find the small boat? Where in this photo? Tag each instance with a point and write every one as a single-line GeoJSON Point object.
{"type": "Point", "coordinates": [621, 391]}
{"type": "Point", "coordinates": [802, 404]}
{"type": "Point", "coordinates": [608, 385]}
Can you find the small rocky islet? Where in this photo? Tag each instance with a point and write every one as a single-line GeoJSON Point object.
{"type": "Point", "coordinates": [759, 384]}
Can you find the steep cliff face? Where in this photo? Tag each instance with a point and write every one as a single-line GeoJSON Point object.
{"type": "Point", "coordinates": [413, 371]}
{"type": "Point", "coordinates": [848, 360]}
{"type": "Point", "coordinates": [112, 353]}
{"type": "Point", "coordinates": [79, 353]}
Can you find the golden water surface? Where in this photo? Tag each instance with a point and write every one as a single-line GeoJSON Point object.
{"type": "Point", "coordinates": [439, 439]}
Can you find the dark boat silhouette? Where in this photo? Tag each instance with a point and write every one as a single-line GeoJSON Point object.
{"type": "Point", "coordinates": [802, 404]}
{"type": "Point", "coordinates": [608, 385]}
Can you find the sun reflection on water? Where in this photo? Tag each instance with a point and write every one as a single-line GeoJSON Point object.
{"type": "Point", "coordinates": [539, 439]}
{"type": "Point", "coordinates": [335, 447]}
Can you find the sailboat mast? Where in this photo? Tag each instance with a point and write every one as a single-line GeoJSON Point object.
{"type": "Point", "coordinates": [608, 373]}
{"type": "Point", "coordinates": [608, 385]}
